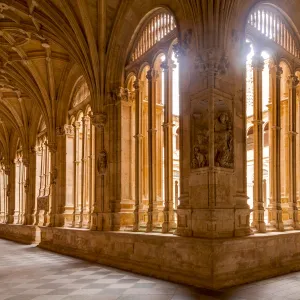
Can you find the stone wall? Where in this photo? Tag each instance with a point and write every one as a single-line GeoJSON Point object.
{"type": "Point", "coordinates": [206, 263]}
{"type": "Point", "coordinates": [20, 233]}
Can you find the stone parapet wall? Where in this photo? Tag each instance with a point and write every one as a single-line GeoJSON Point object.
{"type": "Point", "coordinates": [208, 263]}
{"type": "Point", "coordinates": [174, 258]}
{"type": "Point", "coordinates": [20, 233]}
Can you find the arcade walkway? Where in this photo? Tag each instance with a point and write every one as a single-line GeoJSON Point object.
{"type": "Point", "coordinates": [28, 272]}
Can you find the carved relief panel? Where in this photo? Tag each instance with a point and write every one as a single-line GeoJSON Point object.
{"type": "Point", "coordinates": [223, 136]}
{"type": "Point", "coordinates": [200, 134]}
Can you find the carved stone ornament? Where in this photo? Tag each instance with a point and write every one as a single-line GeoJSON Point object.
{"type": "Point", "coordinates": [54, 176]}
{"type": "Point", "coordinates": [200, 142]}
{"type": "Point", "coordinates": [183, 47]}
{"type": "Point", "coordinates": [200, 150]}
{"type": "Point", "coordinates": [212, 61]}
{"type": "Point", "coordinates": [65, 130]}
{"type": "Point", "coordinates": [119, 94]}
{"type": "Point", "coordinates": [102, 163]}
{"type": "Point", "coordinates": [224, 141]}
{"type": "Point", "coordinates": [52, 147]}
{"type": "Point", "coordinates": [98, 119]}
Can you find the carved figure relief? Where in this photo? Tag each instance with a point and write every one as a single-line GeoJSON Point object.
{"type": "Point", "coordinates": [200, 143]}
{"type": "Point", "coordinates": [223, 141]}
{"type": "Point", "coordinates": [102, 163]}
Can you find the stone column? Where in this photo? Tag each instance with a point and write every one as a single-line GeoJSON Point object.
{"type": "Point", "coordinates": [275, 210]}
{"type": "Point", "coordinates": [98, 210]}
{"type": "Point", "coordinates": [52, 178]}
{"type": "Point", "coordinates": [92, 172]}
{"type": "Point", "coordinates": [25, 184]}
{"type": "Point", "coordinates": [138, 156]}
{"type": "Point", "coordinates": [84, 174]}
{"type": "Point", "coordinates": [16, 191]}
{"type": "Point", "coordinates": [184, 209]}
{"type": "Point", "coordinates": [66, 184]}
{"type": "Point", "coordinates": [10, 172]}
{"type": "Point", "coordinates": [168, 223]}
{"type": "Point", "coordinates": [2, 209]}
{"type": "Point", "coordinates": [76, 218]}
{"type": "Point", "coordinates": [258, 207]}
{"type": "Point", "coordinates": [293, 210]}
{"type": "Point", "coordinates": [271, 138]}
{"type": "Point", "coordinates": [30, 185]}
{"type": "Point", "coordinates": [151, 151]}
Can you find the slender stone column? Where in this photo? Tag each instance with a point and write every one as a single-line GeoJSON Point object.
{"type": "Point", "coordinates": [258, 213]}
{"type": "Point", "coordinates": [184, 208]}
{"type": "Point", "coordinates": [83, 208]}
{"type": "Point", "coordinates": [10, 172]}
{"type": "Point", "coordinates": [293, 210]}
{"type": "Point", "coordinates": [275, 210]}
{"type": "Point", "coordinates": [31, 185]}
{"type": "Point", "coordinates": [271, 137]}
{"type": "Point", "coordinates": [168, 223]}
{"type": "Point", "coordinates": [99, 120]}
{"type": "Point", "coordinates": [138, 156]}
{"type": "Point", "coordinates": [92, 172]}
{"type": "Point", "coordinates": [26, 198]}
{"type": "Point", "coordinates": [52, 177]}
{"type": "Point", "coordinates": [151, 150]}
{"type": "Point", "coordinates": [76, 218]}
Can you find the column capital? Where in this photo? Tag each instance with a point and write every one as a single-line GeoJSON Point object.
{"type": "Point", "coordinates": [85, 120]}
{"type": "Point", "coordinates": [279, 71]}
{"type": "Point", "coordinates": [65, 130]}
{"type": "Point", "coordinates": [149, 75]}
{"type": "Point", "coordinates": [77, 124]}
{"type": "Point", "coordinates": [164, 65]}
{"type": "Point", "coordinates": [136, 84]}
{"type": "Point", "coordinates": [52, 146]}
{"type": "Point", "coordinates": [293, 80]}
{"type": "Point", "coordinates": [98, 119]}
{"type": "Point", "coordinates": [258, 61]}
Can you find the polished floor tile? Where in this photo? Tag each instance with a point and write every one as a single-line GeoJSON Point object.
{"type": "Point", "coordinates": [31, 273]}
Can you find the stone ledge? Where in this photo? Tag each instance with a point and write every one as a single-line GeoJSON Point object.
{"type": "Point", "coordinates": [27, 234]}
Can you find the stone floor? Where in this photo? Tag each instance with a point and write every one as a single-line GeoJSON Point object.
{"type": "Point", "coordinates": [28, 272]}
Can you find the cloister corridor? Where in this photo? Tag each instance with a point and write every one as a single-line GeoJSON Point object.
{"type": "Point", "coordinates": [60, 277]}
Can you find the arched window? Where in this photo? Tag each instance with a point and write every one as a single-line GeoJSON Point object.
{"type": "Point", "coordinates": [270, 23]}
{"type": "Point", "coordinates": [153, 79]}
{"type": "Point", "coordinates": [272, 115]}
{"type": "Point", "coordinates": [156, 29]}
